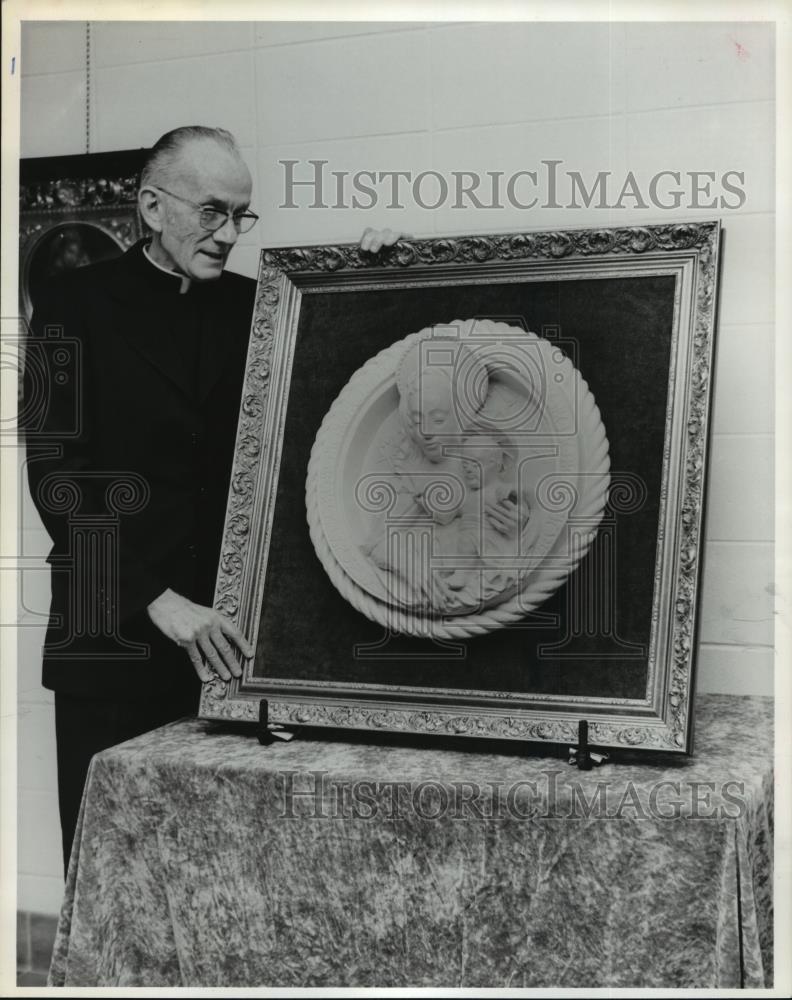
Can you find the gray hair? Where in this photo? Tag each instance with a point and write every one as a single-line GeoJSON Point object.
{"type": "Point", "coordinates": [166, 149]}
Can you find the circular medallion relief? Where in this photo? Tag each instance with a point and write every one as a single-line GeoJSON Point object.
{"type": "Point", "coordinates": [457, 479]}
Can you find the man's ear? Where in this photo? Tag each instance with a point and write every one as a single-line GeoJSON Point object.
{"type": "Point", "coordinates": [151, 208]}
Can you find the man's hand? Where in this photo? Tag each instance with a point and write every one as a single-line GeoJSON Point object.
{"type": "Point", "coordinates": [373, 240]}
{"type": "Point", "coordinates": [201, 632]}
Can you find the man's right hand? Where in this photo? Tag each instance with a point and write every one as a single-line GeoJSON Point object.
{"type": "Point", "coordinates": [201, 632]}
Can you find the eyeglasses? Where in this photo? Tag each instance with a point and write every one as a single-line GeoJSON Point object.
{"type": "Point", "coordinates": [214, 218]}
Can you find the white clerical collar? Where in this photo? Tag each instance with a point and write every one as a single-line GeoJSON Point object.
{"type": "Point", "coordinates": [185, 281]}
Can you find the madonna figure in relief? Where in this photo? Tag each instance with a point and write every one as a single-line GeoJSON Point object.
{"type": "Point", "coordinates": [458, 518]}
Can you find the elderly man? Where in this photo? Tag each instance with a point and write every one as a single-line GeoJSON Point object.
{"type": "Point", "coordinates": [129, 466]}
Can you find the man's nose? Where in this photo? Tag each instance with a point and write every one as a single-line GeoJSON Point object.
{"type": "Point", "coordinates": [228, 233]}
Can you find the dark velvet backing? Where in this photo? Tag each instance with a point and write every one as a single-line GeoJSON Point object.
{"type": "Point", "coordinates": [618, 333]}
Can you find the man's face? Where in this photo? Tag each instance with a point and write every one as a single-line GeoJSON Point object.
{"type": "Point", "coordinates": [211, 176]}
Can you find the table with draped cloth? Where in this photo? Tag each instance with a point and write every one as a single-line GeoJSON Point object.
{"type": "Point", "coordinates": [205, 859]}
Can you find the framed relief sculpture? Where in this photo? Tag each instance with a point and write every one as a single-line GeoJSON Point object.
{"type": "Point", "coordinates": [430, 481]}
{"type": "Point", "coordinates": [74, 210]}
{"type": "Point", "coordinates": [468, 486]}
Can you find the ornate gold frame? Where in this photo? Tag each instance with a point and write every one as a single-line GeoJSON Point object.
{"type": "Point", "coordinates": [662, 719]}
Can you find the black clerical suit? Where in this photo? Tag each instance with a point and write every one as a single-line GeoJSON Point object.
{"type": "Point", "coordinates": [132, 388]}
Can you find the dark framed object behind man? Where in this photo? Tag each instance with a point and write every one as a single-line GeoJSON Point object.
{"type": "Point", "coordinates": [74, 210]}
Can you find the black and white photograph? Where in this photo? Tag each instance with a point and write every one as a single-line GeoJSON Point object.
{"type": "Point", "coordinates": [393, 503]}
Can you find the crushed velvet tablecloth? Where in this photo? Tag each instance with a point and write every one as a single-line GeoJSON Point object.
{"type": "Point", "coordinates": [205, 859]}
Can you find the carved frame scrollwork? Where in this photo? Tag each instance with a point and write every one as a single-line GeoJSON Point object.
{"type": "Point", "coordinates": [661, 721]}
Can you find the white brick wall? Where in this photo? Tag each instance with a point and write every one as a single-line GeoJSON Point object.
{"type": "Point", "coordinates": [645, 97]}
